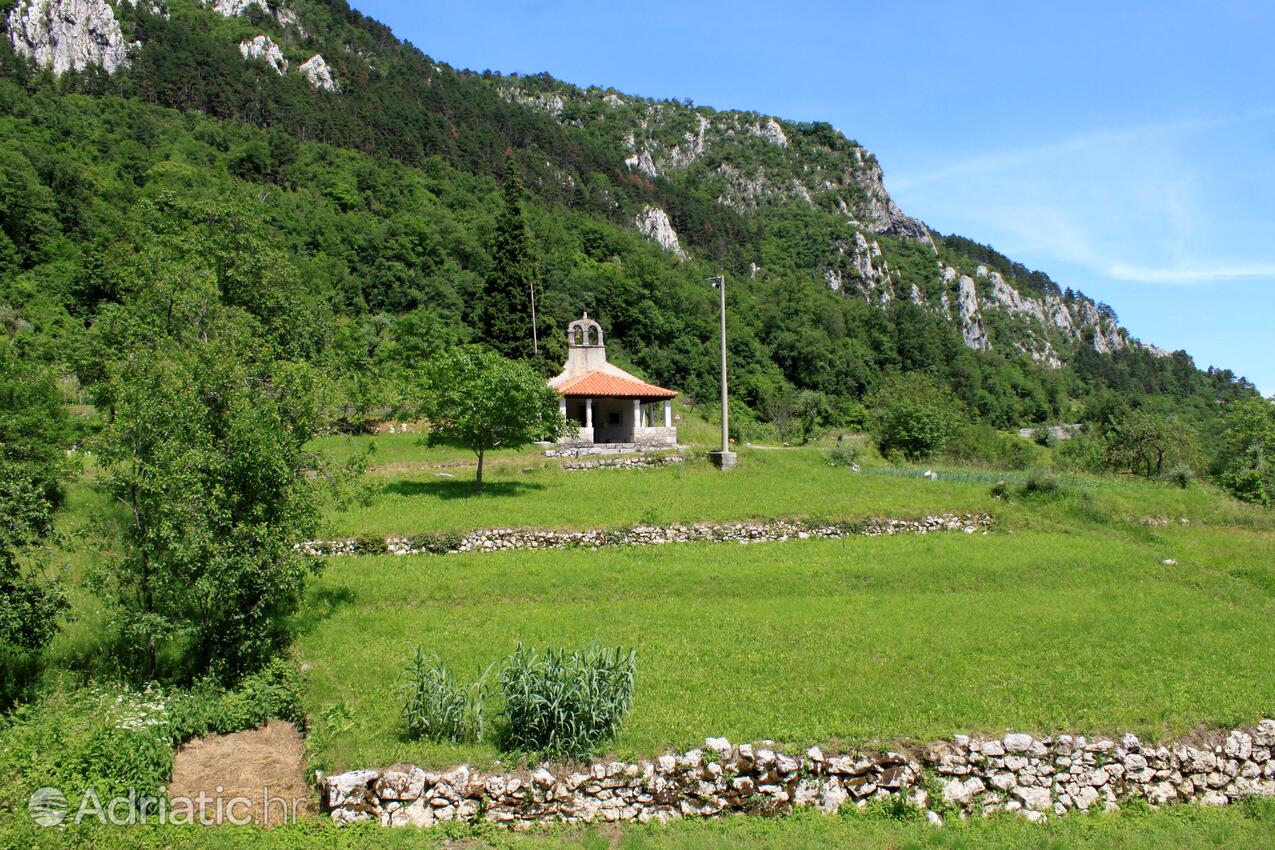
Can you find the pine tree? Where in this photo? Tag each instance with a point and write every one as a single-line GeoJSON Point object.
{"type": "Point", "coordinates": [507, 307]}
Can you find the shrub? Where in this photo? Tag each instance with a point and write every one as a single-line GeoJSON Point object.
{"type": "Point", "coordinates": [1044, 437]}
{"type": "Point", "coordinates": [272, 692]}
{"type": "Point", "coordinates": [435, 707]}
{"type": "Point", "coordinates": [1181, 475]}
{"type": "Point", "coordinates": [1041, 484]}
{"type": "Point", "coordinates": [855, 416]}
{"type": "Point", "coordinates": [1000, 490]}
{"type": "Point", "coordinates": [983, 444]}
{"type": "Point", "coordinates": [844, 453]}
{"type": "Point", "coordinates": [848, 527]}
{"type": "Point", "coordinates": [561, 703]}
{"type": "Point", "coordinates": [438, 543]}
{"type": "Point", "coordinates": [367, 544]}
{"type": "Point", "coordinates": [1082, 453]}
{"type": "Point", "coordinates": [914, 416]}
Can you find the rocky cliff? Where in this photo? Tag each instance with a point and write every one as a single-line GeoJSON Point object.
{"type": "Point", "coordinates": [754, 163]}
{"type": "Point", "coordinates": [73, 35]}
{"type": "Point", "coordinates": [68, 35]}
{"type": "Point", "coordinates": [263, 47]}
{"type": "Point", "coordinates": [751, 160]}
{"type": "Point", "coordinates": [654, 224]}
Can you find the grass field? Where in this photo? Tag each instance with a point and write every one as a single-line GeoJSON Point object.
{"type": "Point", "coordinates": [1250, 827]}
{"type": "Point", "coordinates": [822, 640]}
{"type": "Point", "coordinates": [1066, 616]}
{"type": "Point", "coordinates": [529, 490]}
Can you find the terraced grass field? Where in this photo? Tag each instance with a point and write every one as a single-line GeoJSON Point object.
{"type": "Point", "coordinates": [817, 641]}
{"type": "Point", "coordinates": [1066, 616]}
{"type": "Point", "coordinates": [1112, 604]}
{"type": "Point", "coordinates": [1251, 827]}
{"type": "Point", "coordinates": [432, 493]}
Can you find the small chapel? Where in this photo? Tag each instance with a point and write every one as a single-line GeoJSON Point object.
{"type": "Point", "coordinates": [611, 406]}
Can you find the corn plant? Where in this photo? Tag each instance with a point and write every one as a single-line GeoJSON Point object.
{"type": "Point", "coordinates": [436, 707]}
{"type": "Point", "coordinates": [561, 703]}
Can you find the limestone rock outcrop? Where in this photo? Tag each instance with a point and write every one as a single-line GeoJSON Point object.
{"type": "Point", "coordinates": [67, 35]}
{"type": "Point", "coordinates": [749, 162]}
{"type": "Point", "coordinates": [661, 137]}
{"type": "Point", "coordinates": [864, 266]}
{"type": "Point", "coordinates": [968, 315]}
{"type": "Point", "coordinates": [236, 8]}
{"type": "Point", "coordinates": [770, 130]}
{"type": "Point", "coordinates": [1076, 319]}
{"type": "Point", "coordinates": [654, 224]}
{"type": "Point", "coordinates": [263, 47]}
{"type": "Point", "coordinates": [879, 213]}
{"type": "Point", "coordinates": [288, 18]}
{"type": "Point", "coordinates": [319, 74]}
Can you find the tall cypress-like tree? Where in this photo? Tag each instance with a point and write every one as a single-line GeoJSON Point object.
{"type": "Point", "coordinates": [506, 313]}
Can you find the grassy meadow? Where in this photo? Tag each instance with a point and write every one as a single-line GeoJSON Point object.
{"type": "Point", "coordinates": [432, 490]}
{"type": "Point", "coordinates": [1111, 604]}
{"type": "Point", "coordinates": [815, 641]}
{"type": "Point", "coordinates": [1247, 827]}
{"type": "Point", "coordinates": [1066, 616]}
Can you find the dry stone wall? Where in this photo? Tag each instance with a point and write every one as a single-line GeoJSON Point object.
{"type": "Point", "coordinates": [639, 462]}
{"type": "Point", "coordinates": [1037, 777]}
{"type": "Point", "coordinates": [1055, 775]}
{"type": "Point", "coordinates": [502, 539]}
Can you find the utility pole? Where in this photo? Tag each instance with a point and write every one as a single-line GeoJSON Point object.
{"type": "Point", "coordinates": [535, 334]}
{"type": "Point", "coordinates": [725, 458]}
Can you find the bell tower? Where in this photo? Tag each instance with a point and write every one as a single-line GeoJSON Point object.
{"type": "Point", "coordinates": [585, 348]}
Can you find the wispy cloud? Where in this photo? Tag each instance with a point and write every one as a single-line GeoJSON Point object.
{"type": "Point", "coordinates": [1172, 203]}
{"type": "Point", "coordinates": [1012, 158]}
{"type": "Point", "coordinates": [1187, 276]}
{"type": "Point", "coordinates": [997, 161]}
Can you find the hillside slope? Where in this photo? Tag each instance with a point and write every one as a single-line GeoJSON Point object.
{"type": "Point", "coordinates": [753, 164]}
{"type": "Point", "coordinates": [376, 166]}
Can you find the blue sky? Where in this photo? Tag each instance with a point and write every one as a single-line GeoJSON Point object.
{"type": "Point", "coordinates": [1125, 148]}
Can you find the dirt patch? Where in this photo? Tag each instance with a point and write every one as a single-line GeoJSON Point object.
{"type": "Point", "coordinates": [257, 776]}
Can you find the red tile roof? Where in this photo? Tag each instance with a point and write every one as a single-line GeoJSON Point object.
{"type": "Point", "coordinates": [600, 384]}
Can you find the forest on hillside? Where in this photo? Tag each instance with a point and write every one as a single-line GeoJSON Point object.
{"type": "Point", "coordinates": [354, 232]}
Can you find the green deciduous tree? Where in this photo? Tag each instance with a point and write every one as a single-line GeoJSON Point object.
{"type": "Point", "coordinates": [34, 428]}
{"type": "Point", "coordinates": [205, 454]}
{"type": "Point", "coordinates": [33, 437]}
{"type": "Point", "coordinates": [1246, 456]}
{"type": "Point", "coordinates": [914, 416]}
{"type": "Point", "coordinates": [476, 398]}
{"type": "Point", "coordinates": [1148, 443]}
{"type": "Point", "coordinates": [30, 602]}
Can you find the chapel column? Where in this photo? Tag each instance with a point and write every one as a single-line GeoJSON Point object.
{"type": "Point", "coordinates": [668, 413]}
{"type": "Point", "coordinates": [588, 413]}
